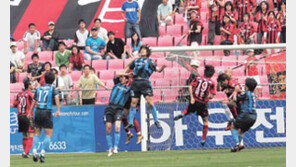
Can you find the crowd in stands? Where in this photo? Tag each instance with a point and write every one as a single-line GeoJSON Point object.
{"type": "Point", "coordinates": [234, 21]}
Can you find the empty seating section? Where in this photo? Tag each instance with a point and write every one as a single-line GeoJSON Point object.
{"type": "Point", "coordinates": [174, 30]}
{"type": "Point", "coordinates": [116, 64]}
{"type": "Point", "coordinates": [99, 64]}
{"type": "Point", "coordinates": [165, 41]}
{"type": "Point", "coordinates": [151, 41]}
{"type": "Point", "coordinates": [106, 74]}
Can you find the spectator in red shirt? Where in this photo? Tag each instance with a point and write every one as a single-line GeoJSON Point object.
{"type": "Point", "coordinates": [281, 16]}
{"type": "Point", "coordinates": [193, 5]}
{"type": "Point", "coordinates": [76, 59]}
{"type": "Point", "coordinates": [246, 31]}
{"type": "Point", "coordinates": [273, 29]}
{"type": "Point", "coordinates": [244, 6]}
{"type": "Point", "coordinates": [196, 27]}
{"type": "Point", "coordinates": [227, 33]}
{"type": "Point", "coordinates": [47, 67]}
{"type": "Point", "coordinates": [251, 66]}
{"type": "Point", "coordinates": [216, 8]}
{"type": "Point", "coordinates": [261, 19]}
{"type": "Point", "coordinates": [230, 11]}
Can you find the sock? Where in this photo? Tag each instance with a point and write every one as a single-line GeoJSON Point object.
{"type": "Point", "coordinates": [139, 134]}
{"type": "Point", "coordinates": [125, 123]}
{"type": "Point", "coordinates": [45, 145]}
{"type": "Point", "coordinates": [131, 115]}
{"type": "Point", "coordinates": [36, 140]}
{"type": "Point", "coordinates": [241, 141]}
{"type": "Point", "coordinates": [184, 112]}
{"type": "Point", "coordinates": [227, 113]}
{"type": "Point", "coordinates": [137, 126]}
{"type": "Point", "coordinates": [153, 111]}
{"type": "Point", "coordinates": [29, 144]}
{"type": "Point", "coordinates": [116, 140]}
{"type": "Point", "coordinates": [24, 143]}
{"type": "Point", "coordinates": [204, 132]}
{"type": "Point", "coordinates": [109, 140]}
{"type": "Point", "coordinates": [235, 136]}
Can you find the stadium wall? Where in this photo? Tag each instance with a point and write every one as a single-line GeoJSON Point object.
{"type": "Point", "coordinates": [81, 129]}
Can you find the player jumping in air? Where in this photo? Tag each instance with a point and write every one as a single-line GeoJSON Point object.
{"type": "Point", "coordinates": [113, 112]}
{"type": "Point", "coordinates": [247, 116]}
{"type": "Point", "coordinates": [201, 89]}
{"type": "Point", "coordinates": [43, 99]}
{"type": "Point", "coordinates": [23, 103]}
{"type": "Point", "coordinates": [143, 67]}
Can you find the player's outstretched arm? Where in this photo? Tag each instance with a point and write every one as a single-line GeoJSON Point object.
{"type": "Point", "coordinates": [192, 101]}
{"type": "Point", "coordinates": [57, 100]}
{"type": "Point", "coordinates": [161, 68]}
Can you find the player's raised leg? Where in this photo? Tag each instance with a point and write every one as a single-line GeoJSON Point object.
{"type": "Point", "coordinates": [36, 140]}
{"type": "Point", "coordinates": [152, 110]}
{"type": "Point", "coordinates": [46, 142]}
{"type": "Point", "coordinates": [129, 135]}
{"type": "Point", "coordinates": [116, 136]}
{"type": "Point", "coordinates": [109, 138]}
{"type": "Point", "coordinates": [205, 121]}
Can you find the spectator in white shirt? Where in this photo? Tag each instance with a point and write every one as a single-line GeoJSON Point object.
{"type": "Point", "coordinates": [68, 84]}
{"type": "Point", "coordinates": [31, 39]}
{"type": "Point", "coordinates": [102, 32]}
{"type": "Point", "coordinates": [17, 58]}
{"type": "Point", "coordinates": [164, 13]}
{"type": "Point", "coordinates": [81, 35]}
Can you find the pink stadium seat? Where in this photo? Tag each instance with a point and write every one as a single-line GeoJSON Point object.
{"type": "Point", "coordinates": [162, 61]}
{"type": "Point", "coordinates": [106, 74]}
{"type": "Point", "coordinates": [20, 45]}
{"type": "Point", "coordinates": [28, 57]}
{"type": "Point", "coordinates": [206, 53]}
{"type": "Point", "coordinates": [170, 73]}
{"type": "Point", "coordinates": [45, 56]}
{"type": "Point", "coordinates": [177, 65]}
{"type": "Point", "coordinates": [162, 30]}
{"type": "Point", "coordinates": [87, 62]}
{"type": "Point", "coordinates": [177, 39]}
{"type": "Point", "coordinates": [116, 64]}
{"type": "Point", "coordinates": [162, 83]}
{"type": "Point", "coordinates": [22, 76]}
{"type": "Point", "coordinates": [99, 64]}
{"type": "Point", "coordinates": [179, 19]}
{"type": "Point", "coordinates": [103, 97]}
{"type": "Point", "coordinates": [157, 95]}
{"type": "Point", "coordinates": [109, 83]}
{"type": "Point", "coordinates": [174, 30]}
{"type": "Point", "coordinates": [151, 41]}
{"type": "Point", "coordinates": [165, 41]}
{"type": "Point", "coordinates": [75, 75]}
{"type": "Point", "coordinates": [170, 95]}
{"type": "Point", "coordinates": [157, 75]}
{"type": "Point", "coordinates": [229, 61]}
{"type": "Point", "coordinates": [16, 86]}
{"type": "Point", "coordinates": [184, 73]}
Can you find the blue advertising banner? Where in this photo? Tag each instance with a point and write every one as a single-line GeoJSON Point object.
{"type": "Point", "coordinates": [73, 131]}
{"type": "Point", "coordinates": [269, 129]}
{"type": "Point", "coordinates": [100, 133]}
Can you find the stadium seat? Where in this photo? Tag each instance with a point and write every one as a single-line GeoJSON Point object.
{"type": "Point", "coordinates": [165, 41]}
{"type": "Point", "coordinates": [217, 40]}
{"type": "Point", "coordinates": [162, 61]}
{"type": "Point", "coordinates": [162, 30]}
{"type": "Point", "coordinates": [109, 83]}
{"type": "Point", "coordinates": [179, 19]}
{"type": "Point", "coordinates": [157, 75]}
{"type": "Point", "coordinates": [88, 62]}
{"type": "Point", "coordinates": [206, 53]}
{"type": "Point", "coordinates": [162, 83]}
{"type": "Point", "coordinates": [20, 45]}
{"type": "Point", "coordinates": [174, 30]}
{"type": "Point", "coordinates": [16, 86]}
{"type": "Point", "coordinates": [106, 74]}
{"type": "Point", "coordinates": [99, 64]}
{"type": "Point", "coordinates": [75, 75]}
{"type": "Point", "coordinates": [170, 95]}
{"type": "Point", "coordinates": [170, 73]}
{"type": "Point", "coordinates": [103, 97]}
{"type": "Point", "coordinates": [45, 56]}
{"type": "Point", "coordinates": [184, 73]}
{"type": "Point", "coordinates": [177, 39]}
{"type": "Point", "coordinates": [28, 57]}
{"type": "Point", "coordinates": [22, 76]}
{"type": "Point", "coordinates": [115, 64]}
{"type": "Point", "coordinates": [157, 95]}
{"type": "Point", "coordinates": [229, 61]}
{"type": "Point", "coordinates": [151, 41]}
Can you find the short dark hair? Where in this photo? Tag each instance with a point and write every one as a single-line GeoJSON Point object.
{"type": "Point", "coordinates": [31, 24]}
{"type": "Point", "coordinates": [222, 77]}
{"type": "Point", "coordinates": [246, 14]}
{"type": "Point", "coordinates": [251, 83]}
{"type": "Point", "coordinates": [34, 55]}
{"type": "Point", "coordinates": [54, 70]}
{"type": "Point", "coordinates": [271, 12]}
{"type": "Point", "coordinates": [49, 77]}
{"type": "Point", "coordinates": [27, 83]}
{"type": "Point", "coordinates": [62, 43]}
{"type": "Point", "coordinates": [47, 63]}
{"type": "Point", "coordinates": [80, 21]}
{"type": "Point", "coordinates": [110, 33]}
{"type": "Point", "coordinates": [147, 48]}
{"type": "Point", "coordinates": [91, 68]}
{"type": "Point", "coordinates": [86, 65]}
{"type": "Point", "coordinates": [209, 71]}
{"type": "Point", "coordinates": [97, 19]}
{"type": "Point", "coordinates": [62, 65]}
{"type": "Point", "coordinates": [229, 3]}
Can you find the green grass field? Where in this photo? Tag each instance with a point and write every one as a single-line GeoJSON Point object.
{"type": "Point", "coordinates": [265, 157]}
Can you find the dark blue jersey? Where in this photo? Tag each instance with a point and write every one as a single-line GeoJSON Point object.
{"type": "Point", "coordinates": [119, 94]}
{"type": "Point", "coordinates": [248, 102]}
{"type": "Point", "coordinates": [44, 96]}
{"type": "Point", "coordinates": [143, 67]}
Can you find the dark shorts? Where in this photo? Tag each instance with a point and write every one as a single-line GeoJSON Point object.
{"type": "Point", "coordinates": [245, 121]}
{"type": "Point", "coordinates": [88, 101]}
{"type": "Point", "coordinates": [43, 119]}
{"type": "Point", "coordinates": [25, 124]}
{"type": "Point", "coordinates": [141, 87]}
{"type": "Point", "coordinates": [128, 103]}
{"type": "Point", "coordinates": [113, 114]}
{"type": "Point", "coordinates": [198, 107]}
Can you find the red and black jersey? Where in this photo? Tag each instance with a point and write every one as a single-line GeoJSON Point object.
{"type": "Point", "coordinates": [272, 29]}
{"type": "Point", "coordinates": [230, 13]}
{"type": "Point", "coordinates": [282, 18]}
{"type": "Point", "coordinates": [229, 27]}
{"type": "Point", "coordinates": [23, 102]}
{"type": "Point", "coordinates": [215, 11]}
{"type": "Point", "coordinates": [194, 3]}
{"type": "Point", "coordinates": [229, 88]}
{"type": "Point", "coordinates": [245, 30]}
{"type": "Point", "coordinates": [243, 6]}
{"type": "Point", "coordinates": [261, 21]}
{"type": "Point", "coordinates": [194, 23]}
{"type": "Point", "coordinates": [202, 87]}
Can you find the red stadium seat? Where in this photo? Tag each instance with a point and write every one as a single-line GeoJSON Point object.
{"type": "Point", "coordinates": [174, 30]}
{"type": "Point", "coordinates": [177, 39]}
{"type": "Point", "coordinates": [99, 64]}
{"type": "Point", "coordinates": [115, 64]}
{"type": "Point", "coordinates": [106, 74]}
{"type": "Point", "coordinates": [179, 19]}
{"type": "Point", "coordinates": [162, 30]}
{"type": "Point", "coordinates": [151, 41]}
{"type": "Point", "coordinates": [75, 75]}
{"type": "Point", "coordinates": [165, 41]}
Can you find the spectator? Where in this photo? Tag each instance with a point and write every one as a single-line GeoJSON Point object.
{"type": "Point", "coordinates": [196, 27]}
{"type": "Point", "coordinates": [261, 19]}
{"type": "Point", "coordinates": [245, 6]}
{"type": "Point", "coordinates": [88, 81]}
{"type": "Point", "coordinates": [35, 69]}
{"type": "Point", "coordinates": [68, 84]}
{"type": "Point", "coordinates": [50, 38]}
{"type": "Point", "coordinates": [251, 66]}
{"type": "Point", "coordinates": [193, 5]}
{"type": "Point", "coordinates": [246, 31]}
{"type": "Point", "coordinates": [273, 29]}
{"type": "Point", "coordinates": [59, 84]}
{"type": "Point", "coordinates": [17, 58]}
{"type": "Point", "coordinates": [76, 59]}
{"type": "Point", "coordinates": [135, 45]}
{"type": "Point", "coordinates": [132, 18]}
{"type": "Point", "coordinates": [179, 6]}
{"type": "Point", "coordinates": [231, 12]}
{"type": "Point", "coordinates": [227, 33]}
{"type": "Point", "coordinates": [116, 48]}
{"type": "Point", "coordinates": [81, 35]}
{"type": "Point", "coordinates": [62, 56]}
{"type": "Point", "coordinates": [102, 32]}
{"type": "Point", "coordinates": [47, 67]}
{"type": "Point", "coordinates": [281, 16]}
{"type": "Point", "coordinates": [31, 39]}
{"type": "Point", "coordinates": [215, 10]}
{"type": "Point", "coordinates": [164, 13]}
{"type": "Point", "coordinates": [93, 45]}
{"type": "Point", "coordinates": [12, 73]}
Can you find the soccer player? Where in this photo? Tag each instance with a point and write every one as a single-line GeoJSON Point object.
{"type": "Point", "coordinates": [143, 67]}
{"type": "Point", "coordinates": [113, 112]}
{"type": "Point", "coordinates": [23, 103]}
{"type": "Point", "coordinates": [201, 89]}
{"type": "Point", "coordinates": [43, 99]}
{"type": "Point", "coordinates": [247, 117]}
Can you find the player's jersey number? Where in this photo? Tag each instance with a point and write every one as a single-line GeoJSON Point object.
{"type": "Point", "coordinates": [22, 104]}
{"type": "Point", "coordinates": [44, 98]}
{"type": "Point", "coordinates": [201, 88]}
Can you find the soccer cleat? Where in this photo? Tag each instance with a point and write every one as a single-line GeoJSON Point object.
{"type": "Point", "coordinates": [202, 142]}
{"type": "Point", "coordinates": [178, 117]}
{"type": "Point", "coordinates": [24, 155]}
{"type": "Point", "coordinates": [129, 126]}
{"type": "Point", "coordinates": [115, 150]}
{"type": "Point", "coordinates": [228, 126]}
{"type": "Point", "coordinates": [235, 149]}
{"type": "Point", "coordinates": [139, 139]}
{"type": "Point", "coordinates": [110, 153]}
{"type": "Point", "coordinates": [42, 159]}
{"type": "Point", "coordinates": [241, 147]}
{"type": "Point", "coordinates": [128, 138]}
{"type": "Point", "coordinates": [35, 157]}
{"type": "Point", "coordinates": [157, 124]}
